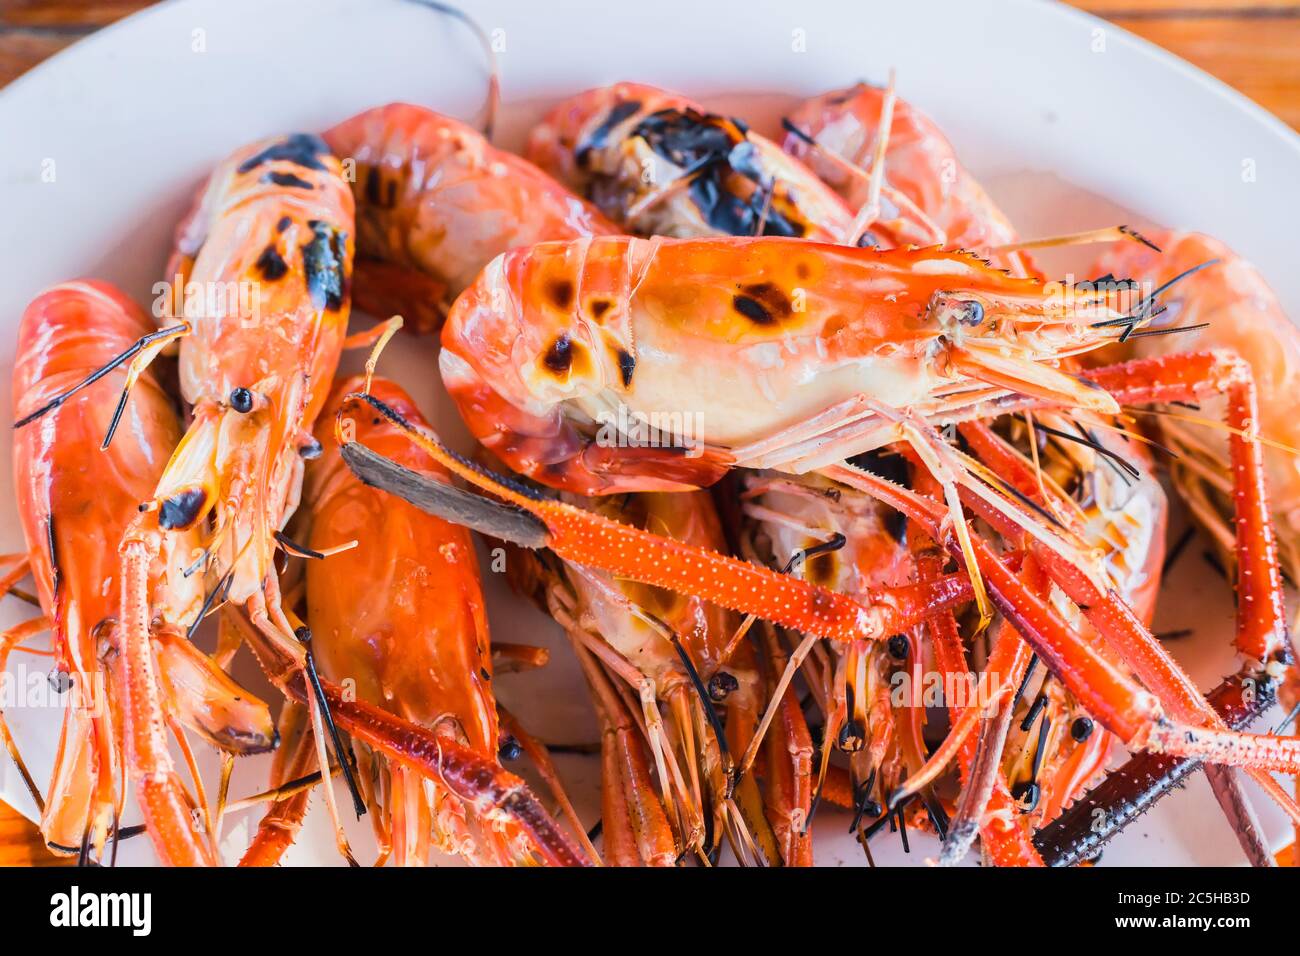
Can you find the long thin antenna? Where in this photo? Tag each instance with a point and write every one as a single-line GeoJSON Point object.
{"type": "Point", "coordinates": [493, 102]}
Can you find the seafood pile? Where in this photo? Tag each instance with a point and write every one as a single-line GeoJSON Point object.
{"type": "Point", "coordinates": [837, 497]}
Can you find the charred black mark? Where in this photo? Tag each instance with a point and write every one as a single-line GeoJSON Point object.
{"type": "Point", "coordinates": [483, 673]}
{"type": "Point", "coordinates": [283, 224]}
{"type": "Point", "coordinates": [688, 138]}
{"type": "Point", "coordinates": [560, 292]}
{"type": "Point", "coordinates": [751, 309]}
{"type": "Point", "coordinates": [559, 357]}
{"type": "Point", "coordinates": [820, 567]}
{"type": "Point", "coordinates": [711, 148]}
{"type": "Point", "coordinates": [726, 212]}
{"type": "Point", "coordinates": [600, 135]}
{"type": "Point", "coordinates": [271, 264]}
{"type": "Point", "coordinates": [899, 647]}
{"type": "Point", "coordinates": [373, 180]}
{"type": "Point", "coordinates": [290, 180]}
{"type": "Point", "coordinates": [598, 307]}
{"type": "Point", "coordinates": [324, 268]}
{"type": "Point", "coordinates": [182, 509]}
{"type": "Point", "coordinates": [626, 366]}
{"type": "Point", "coordinates": [762, 303]}
{"type": "Point", "coordinates": [380, 193]}
{"type": "Point", "coordinates": [302, 149]}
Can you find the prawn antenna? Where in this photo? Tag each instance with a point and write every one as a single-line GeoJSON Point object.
{"type": "Point", "coordinates": [304, 636]}
{"type": "Point", "coordinates": [218, 592]}
{"type": "Point", "coordinates": [493, 101]}
{"type": "Point", "coordinates": [1142, 311]}
{"type": "Point", "coordinates": [1092, 443]}
{"type": "Point", "coordinates": [710, 712]}
{"type": "Point", "coordinates": [153, 338]}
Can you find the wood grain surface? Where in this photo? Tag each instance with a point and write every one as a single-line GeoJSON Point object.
{"type": "Point", "coordinates": [1252, 45]}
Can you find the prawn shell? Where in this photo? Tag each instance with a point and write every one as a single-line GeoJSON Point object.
{"type": "Point", "coordinates": [617, 144]}
{"type": "Point", "coordinates": [712, 342]}
{"type": "Point", "coordinates": [401, 614]}
{"type": "Point", "coordinates": [436, 202]}
{"type": "Point", "coordinates": [920, 162]}
{"type": "Point", "coordinates": [74, 500]}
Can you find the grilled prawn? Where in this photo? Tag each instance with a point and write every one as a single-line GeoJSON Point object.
{"type": "Point", "coordinates": [931, 197]}
{"type": "Point", "coordinates": [260, 304]}
{"type": "Point", "coordinates": [436, 202]}
{"type": "Point", "coordinates": [402, 616]}
{"type": "Point", "coordinates": [75, 504]}
{"type": "Point", "coordinates": [668, 648]}
{"type": "Point", "coordinates": [659, 164]}
{"type": "Point", "coordinates": [789, 354]}
{"type": "Point", "coordinates": [902, 340]}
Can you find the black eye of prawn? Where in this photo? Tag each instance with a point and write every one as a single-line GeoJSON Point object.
{"type": "Point", "coordinates": [241, 400]}
{"type": "Point", "coordinates": [510, 749]}
{"type": "Point", "coordinates": [970, 312]}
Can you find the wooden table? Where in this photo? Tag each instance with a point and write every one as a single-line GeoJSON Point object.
{"type": "Point", "coordinates": [1253, 45]}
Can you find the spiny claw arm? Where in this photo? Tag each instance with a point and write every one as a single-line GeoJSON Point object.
{"type": "Point", "coordinates": [591, 540]}
{"type": "Point", "coordinates": [446, 501]}
{"type": "Point", "coordinates": [465, 772]}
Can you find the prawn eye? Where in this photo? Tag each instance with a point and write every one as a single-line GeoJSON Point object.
{"type": "Point", "coordinates": [510, 749]}
{"type": "Point", "coordinates": [1081, 729]}
{"type": "Point", "coordinates": [970, 312]}
{"type": "Point", "coordinates": [241, 400]}
{"type": "Point", "coordinates": [721, 685]}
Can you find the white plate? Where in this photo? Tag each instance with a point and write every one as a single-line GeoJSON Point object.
{"type": "Point", "coordinates": [1054, 109]}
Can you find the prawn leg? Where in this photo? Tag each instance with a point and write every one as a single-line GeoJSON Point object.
{"type": "Point", "coordinates": [472, 777]}
{"type": "Point", "coordinates": [166, 809]}
{"type": "Point", "coordinates": [636, 828]}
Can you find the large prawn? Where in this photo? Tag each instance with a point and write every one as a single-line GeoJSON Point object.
{"type": "Point", "coordinates": [903, 340]}
{"type": "Point", "coordinates": [262, 270]}
{"type": "Point", "coordinates": [400, 616]}
{"type": "Point", "coordinates": [932, 198]}
{"type": "Point", "coordinates": [670, 649]}
{"type": "Point", "coordinates": [436, 202]}
{"type": "Point", "coordinates": [75, 504]}
{"type": "Point", "coordinates": [659, 164]}
{"type": "Point", "coordinates": [1226, 304]}
{"type": "Point", "coordinates": [1219, 301]}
